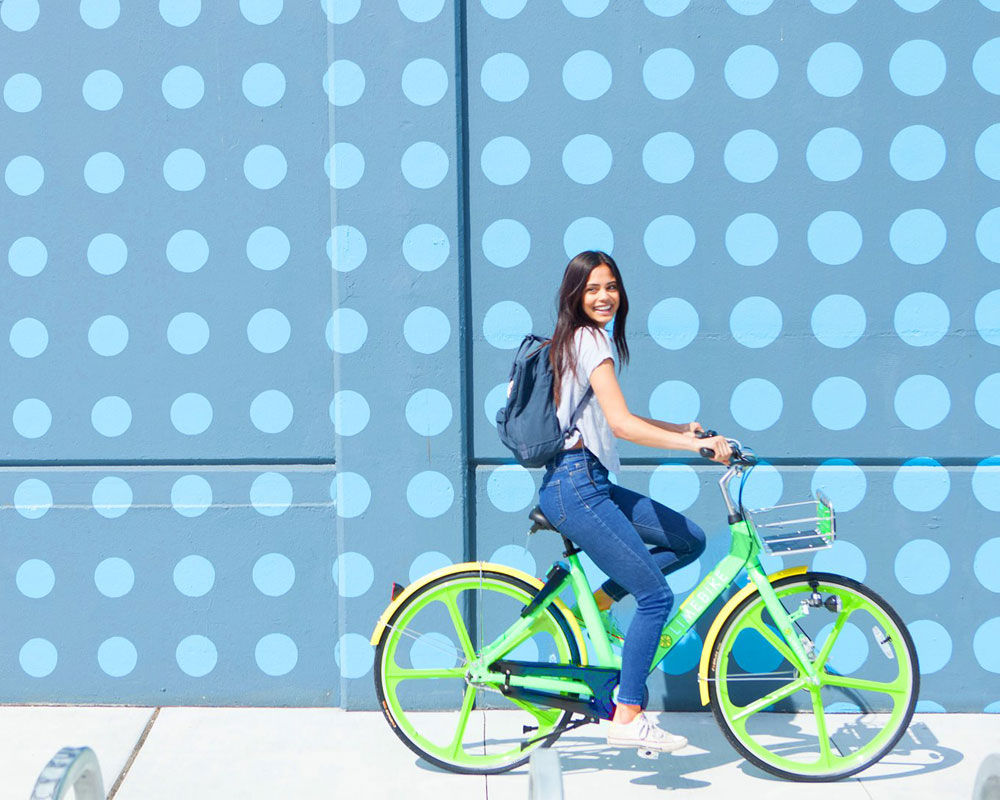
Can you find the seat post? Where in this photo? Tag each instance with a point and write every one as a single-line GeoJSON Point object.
{"type": "Point", "coordinates": [571, 549]}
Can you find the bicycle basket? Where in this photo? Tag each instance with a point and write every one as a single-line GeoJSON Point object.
{"type": "Point", "coordinates": [794, 527]}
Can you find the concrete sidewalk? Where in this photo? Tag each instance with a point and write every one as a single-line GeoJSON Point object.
{"type": "Point", "coordinates": [202, 753]}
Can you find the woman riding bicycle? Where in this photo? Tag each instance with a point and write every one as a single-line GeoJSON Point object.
{"type": "Point", "coordinates": [611, 524]}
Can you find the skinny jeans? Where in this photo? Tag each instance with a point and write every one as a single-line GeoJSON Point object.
{"type": "Point", "coordinates": [613, 526]}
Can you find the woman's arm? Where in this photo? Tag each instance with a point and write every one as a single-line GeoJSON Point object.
{"type": "Point", "coordinates": [626, 425]}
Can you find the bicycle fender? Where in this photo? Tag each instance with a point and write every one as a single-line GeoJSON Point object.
{"type": "Point", "coordinates": [414, 587]}
{"type": "Point", "coordinates": [720, 619]}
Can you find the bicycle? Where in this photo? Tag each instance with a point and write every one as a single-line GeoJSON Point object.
{"type": "Point", "coordinates": [530, 678]}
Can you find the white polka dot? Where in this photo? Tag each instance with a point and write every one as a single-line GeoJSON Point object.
{"type": "Point", "coordinates": [668, 157]}
{"type": "Point", "coordinates": [922, 566]}
{"type": "Point", "coordinates": [273, 574]}
{"type": "Point", "coordinates": [922, 401]}
{"type": "Point", "coordinates": [668, 74]}
{"type": "Point", "coordinates": [839, 403]}
{"type": "Point", "coordinates": [196, 655]}
{"type": "Point", "coordinates": [510, 488]}
{"type": "Point", "coordinates": [107, 253]}
{"type": "Point", "coordinates": [428, 412]}
{"type": "Point", "coordinates": [426, 247]}
{"type": "Point", "coordinates": [32, 498]}
{"type": "Point", "coordinates": [505, 160]}
{"type": "Point", "coordinates": [102, 90]}
{"type": "Point", "coordinates": [918, 236]}
{"type": "Point", "coordinates": [674, 401]}
{"type": "Point", "coordinates": [268, 330]}
{"type": "Point", "coordinates": [751, 239]}
{"type": "Point", "coordinates": [271, 411]}
{"type": "Point", "coordinates": [587, 159]}
{"type": "Point", "coordinates": [265, 166]}
{"type": "Point", "coordinates": [677, 486]}
{"type": "Point", "coordinates": [353, 574]}
{"type": "Point", "coordinates": [424, 165]}
{"type": "Point", "coordinates": [183, 87]}
{"type": "Point", "coordinates": [587, 75]}
{"type": "Point", "coordinates": [917, 153]}
{"type": "Point", "coordinates": [35, 579]}
{"type": "Point", "coordinates": [351, 493]}
{"type": "Point", "coordinates": [38, 657]}
{"type": "Point", "coordinates": [184, 170]}
{"type": "Point", "coordinates": [20, 15]}
{"type": "Point", "coordinates": [838, 321]}
{"type": "Point", "coordinates": [430, 494]}
{"type": "Point", "coordinates": [112, 497]}
{"type": "Point", "coordinates": [751, 71]}
{"type": "Point", "coordinates": [921, 484]}
{"type": "Point", "coordinates": [268, 248]}
{"type": "Point", "coordinates": [27, 256]}
{"type": "Point", "coordinates": [917, 67]}
{"type": "Point", "coordinates": [271, 494]}
{"type": "Point", "coordinates": [834, 154]}
{"type": "Point", "coordinates": [349, 412]}
{"type": "Point", "coordinates": [426, 329]}
{"type": "Point", "coordinates": [347, 248]}
{"type": "Point", "coordinates": [750, 156]}
{"type": "Point", "coordinates": [24, 175]}
{"type": "Point", "coordinates": [194, 576]}
{"type": "Point", "coordinates": [834, 69]}
{"type": "Point", "coordinates": [29, 337]}
{"type": "Point", "coordinates": [756, 404]}
{"type": "Point", "coordinates": [22, 93]}
{"type": "Point", "coordinates": [187, 251]}
{"type": "Point", "coordinates": [263, 84]}
{"type": "Point", "coordinates": [117, 656]}
{"type": "Point", "coordinates": [111, 416]}
{"type": "Point", "coordinates": [922, 319]}
{"type": "Point", "coordinates": [424, 81]}
{"type": "Point", "coordinates": [669, 240]}
{"type": "Point", "coordinates": [347, 331]}
{"type": "Point", "coordinates": [191, 414]}
{"type": "Point", "coordinates": [114, 577]}
{"type": "Point", "coordinates": [673, 323]}
{"type": "Point", "coordinates": [755, 322]}
{"type": "Point", "coordinates": [505, 324]}
{"type": "Point", "coordinates": [344, 165]}
{"type": "Point", "coordinates": [191, 495]}
{"type": "Point", "coordinates": [31, 418]}
{"type": "Point", "coordinates": [188, 333]}
{"type": "Point", "coordinates": [344, 82]}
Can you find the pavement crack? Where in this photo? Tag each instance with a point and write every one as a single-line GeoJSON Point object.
{"type": "Point", "coordinates": [134, 754]}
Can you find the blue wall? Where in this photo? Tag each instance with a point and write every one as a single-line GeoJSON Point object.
{"type": "Point", "coordinates": [218, 451]}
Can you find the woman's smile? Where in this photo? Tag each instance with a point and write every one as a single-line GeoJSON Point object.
{"type": "Point", "coordinates": [600, 297]}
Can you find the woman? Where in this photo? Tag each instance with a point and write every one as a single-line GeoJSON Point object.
{"type": "Point", "coordinates": [611, 524]}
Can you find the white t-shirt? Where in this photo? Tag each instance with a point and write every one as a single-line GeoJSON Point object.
{"type": "Point", "coordinates": [592, 347]}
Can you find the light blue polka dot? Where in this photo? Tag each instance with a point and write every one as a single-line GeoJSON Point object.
{"type": "Point", "coordinates": [833, 154]}
{"type": "Point", "coordinates": [349, 412]}
{"type": "Point", "coordinates": [188, 333]}
{"type": "Point", "coordinates": [108, 335]}
{"type": "Point", "coordinates": [114, 577]}
{"type": "Point", "coordinates": [986, 645]}
{"type": "Point", "coordinates": [504, 77]}
{"type": "Point", "coordinates": [191, 414]}
{"type": "Point", "coordinates": [196, 655]}
{"type": "Point", "coordinates": [271, 411]}
{"type": "Point", "coordinates": [674, 401]}
{"type": "Point", "coordinates": [505, 324]}
{"type": "Point", "coordinates": [677, 486]}
{"type": "Point", "coordinates": [666, 8]}
{"type": "Point", "coordinates": [987, 562]}
{"type": "Point", "coordinates": [506, 243]}
{"type": "Point", "coordinates": [669, 240]}
{"type": "Point", "coordinates": [183, 87]}
{"type": "Point", "coordinates": [268, 248]}
{"type": "Point", "coordinates": [344, 165]}
{"type": "Point", "coordinates": [276, 654]}
{"type": "Point", "coordinates": [755, 322]}
{"type": "Point", "coordinates": [344, 82]}
{"type": "Point", "coordinates": [668, 74]}
{"type": "Point", "coordinates": [834, 70]}
{"type": "Point", "coordinates": [261, 12]}
{"type": "Point", "coordinates": [988, 152]}
{"type": "Point", "coordinates": [839, 403]}
{"type": "Point", "coordinates": [988, 400]}
{"type": "Point", "coordinates": [428, 412]}
{"type": "Point", "coordinates": [117, 656]}
{"type": "Point", "coordinates": [191, 495]}
{"type": "Point", "coordinates": [513, 555]}
{"type": "Point", "coordinates": [32, 498]}
{"type": "Point", "coordinates": [437, 651]}
{"type": "Point", "coordinates": [922, 319]}
{"type": "Point", "coordinates": [104, 173]}
{"type": "Point", "coordinates": [929, 707]}
{"type": "Point", "coordinates": [683, 656]}
{"type": "Point", "coordinates": [505, 160]}
{"type": "Point", "coordinates": [587, 159]}
{"type": "Point", "coordinates": [922, 566]}
{"type": "Point", "coordinates": [353, 654]}
{"type": "Point", "coordinates": [24, 175]}
{"type": "Point", "coordinates": [20, 15]}
{"type": "Point", "coordinates": [673, 323]}
{"type": "Point", "coordinates": [22, 92]}
{"type": "Point", "coordinates": [351, 494]}
{"type": "Point", "coordinates": [340, 11]}
{"type": "Point", "coordinates": [187, 251]}
{"type": "Point", "coordinates": [988, 235]}
{"type": "Point", "coordinates": [107, 253]}
{"type": "Point", "coordinates": [271, 494]}
{"type": "Point", "coordinates": [842, 481]}
{"type": "Point", "coordinates": [184, 170]}
{"type": "Point", "coordinates": [588, 233]}
{"type": "Point", "coordinates": [751, 239]}
{"type": "Point", "coordinates": [503, 9]}
{"type": "Point", "coordinates": [992, 5]}
{"type": "Point", "coordinates": [749, 8]}
{"type": "Point", "coordinates": [347, 248]}
{"type": "Point", "coordinates": [180, 13]}
{"type": "Point", "coordinates": [585, 8]}
{"type": "Point", "coordinates": [430, 494]}
{"type": "Point", "coordinates": [917, 153]}
{"type": "Point", "coordinates": [752, 653]}
{"type": "Point", "coordinates": [268, 330]}
{"type": "Point", "coordinates": [917, 67]}
{"type": "Point", "coordinates": [921, 484]}
{"type": "Point", "coordinates": [273, 574]}
{"type": "Point", "coordinates": [496, 398]}
{"type": "Point", "coordinates": [834, 237]}
{"type": "Point", "coordinates": [844, 559]}
{"type": "Point", "coordinates": [750, 156]}
{"type": "Point", "coordinates": [35, 578]}
{"type": "Point", "coordinates": [353, 574]}
{"type": "Point", "coordinates": [986, 66]}
{"type": "Point", "coordinates": [29, 337]}
{"type": "Point", "coordinates": [31, 418]}
{"type": "Point", "coordinates": [756, 404]}
{"type": "Point", "coordinates": [762, 489]}
{"type": "Point", "coordinates": [426, 329]}
{"type": "Point", "coordinates": [751, 71]}
{"type": "Point", "coordinates": [27, 256]}
{"type": "Point", "coordinates": [921, 402]}
{"type": "Point", "coordinates": [917, 6]}
{"type": "Point", "coordinates": [510, 488]}
{"type": "Point", "coordinates": [426, 563]}
{"type": "Point", "coordinates": [111, 416]}
{"type": "Point", "coordinates": [420, 10]}
{"type": "Point", "coordinates": [933, 644]}
{"type": "Point", "coordinates": [668, 157]}
{"type": "Point", "coordinates": [100, 14]}
{"type": "Point", "coordinates": [424, 165]}
{"type": "Point", "coordinates": [918, 236]}
{"type": "Point", "coordinates": [425, 81]}
{"type": "Point", "coordinates": [850, 650]}
{"type": "Point", "coordinates": [426, 247]}
{"type": "Point", "coordinates": [265, 166]}
{"type": "Point", "coordinates": [994, 707]}
{"type": "Point", "coordinates": [838, 321]}
{"type": "Point", "coordinates": [264, 84]}
{"type": "Point", "coordinates": [112, 497]}
{"type": "Point", "coordinates": [833, 6]}
{"type": "Point", "coordinates": [37, 657]}
{"type": "Point", "coordinates": [102, 90]}
{"type": "Point", "coordinates": [347, 331]}
{"type": "Point", "coordinates": [586, 75]}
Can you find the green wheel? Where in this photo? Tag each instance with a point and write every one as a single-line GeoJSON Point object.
{"type": "Point", "coordinates": [420, 667]}
{"type": "Point", "coordinates": [867, 688]}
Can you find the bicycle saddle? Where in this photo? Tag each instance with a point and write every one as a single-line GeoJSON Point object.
{"type": "Point", "coordinates": [540, 520]}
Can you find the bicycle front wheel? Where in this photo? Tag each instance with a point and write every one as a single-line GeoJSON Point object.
{"type": "Point", "coordinates": [421, 662]}
{"type": "Point", "coordinates": [868, 680]}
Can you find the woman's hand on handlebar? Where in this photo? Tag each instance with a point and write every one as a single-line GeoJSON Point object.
{"type": "Point", "coordinates": [719, 446]}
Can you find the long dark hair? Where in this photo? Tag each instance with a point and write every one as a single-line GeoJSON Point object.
{"type": "Point", "coordinates": [572, 316]}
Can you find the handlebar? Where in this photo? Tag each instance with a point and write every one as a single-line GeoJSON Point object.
{"type": "Point", "coordinates": [738, 456]}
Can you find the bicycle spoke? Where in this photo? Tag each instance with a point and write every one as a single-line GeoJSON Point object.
{"type": "Point", "coordinates": [451, 603]}
{"type": "Point", "coordinates": [770, 699]}
{"type": "Point", "coordinates": [397, 673]}
{"type": "Point", "coordinates": [825, 755]}
{"type": "Point", "coordinates": [467, 702]}
{"type": "Point", "coordinates": [772, 638]}
{"type": "Point", "coordinates": [838, 626]}
{"type": "Point", "coordinates": [896, 687]}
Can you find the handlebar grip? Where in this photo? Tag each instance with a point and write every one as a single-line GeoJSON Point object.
{"type": "Point", "coordinates": [705, 435]}
{"type": "Point", "coordinates": [706, 452]}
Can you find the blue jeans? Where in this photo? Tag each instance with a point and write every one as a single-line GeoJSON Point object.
{"type": "Point", "coordinates": [613, 526]}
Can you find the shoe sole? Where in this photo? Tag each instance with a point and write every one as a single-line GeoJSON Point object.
{"type": "Point", "coordinates": [659, 748]}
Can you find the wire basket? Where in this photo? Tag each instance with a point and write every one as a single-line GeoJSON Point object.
{"type": "Point", "coordinates": [794, 527]}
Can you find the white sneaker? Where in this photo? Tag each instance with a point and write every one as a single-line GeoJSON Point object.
{"type": "Point", "coordinates": [641, 732]}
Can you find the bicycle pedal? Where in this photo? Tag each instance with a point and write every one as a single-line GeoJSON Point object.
{"type": "Point", "coordinates": [646, 752]}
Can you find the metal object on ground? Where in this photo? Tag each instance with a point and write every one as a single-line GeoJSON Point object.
{"type": "Point", "coordinates": [544, 775]}
{"type": "Point", "coordinates": [71, 769]}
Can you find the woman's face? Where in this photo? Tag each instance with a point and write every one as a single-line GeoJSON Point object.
{"type": "Point", "coordinates": [600, 296]}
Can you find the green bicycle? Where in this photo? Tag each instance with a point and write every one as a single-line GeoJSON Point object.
{"type": "Point", "coordinates": [501, 649]}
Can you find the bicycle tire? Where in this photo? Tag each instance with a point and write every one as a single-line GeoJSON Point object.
{"type": "Point", "coordinates": [748, 650]}
{"type": "Point", "coordinates": [414, 651]}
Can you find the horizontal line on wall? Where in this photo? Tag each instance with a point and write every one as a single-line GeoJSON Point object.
{"type": "Point", "coordinates": [776, 462]}
{"type": "Point", "coordinates": [289, 465]}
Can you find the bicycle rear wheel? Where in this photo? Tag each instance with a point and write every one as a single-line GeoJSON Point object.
{"type": "Point", "coordinates": [420, 667]}
{"type": "Point", "coordinates": [868, 681]}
